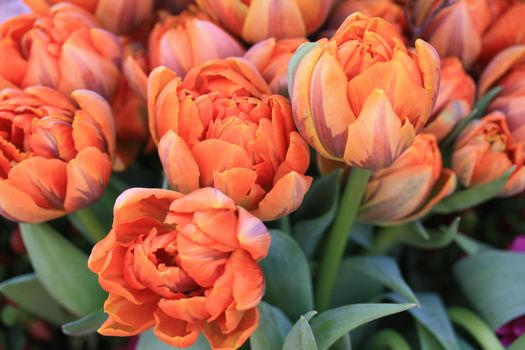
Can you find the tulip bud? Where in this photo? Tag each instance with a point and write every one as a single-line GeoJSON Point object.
{"type": "Point", "coordinates": [410, 187]}
{"type": "Point", "coordinates": [485, 150]}
{"type": "Point", "coordinates": [363, 95]}
{"type": "Point", "coordinates": [55, 155]}
{"type": "Point", "coordinates": [507, 70]}
{"type": "Point", "coordinates": [118, 16]}
{"type": "Point", "coordinates": [271, 58]}
{"type": "Point", "coordinates": [261, 19]}
{"type": "Point", "coordinates": [454, 101]}
{"type": "Point", "coordinates": [184, 41]}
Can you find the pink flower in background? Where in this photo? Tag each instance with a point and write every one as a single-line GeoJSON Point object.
{"type": "Point", "coordinates": [11, 8]}
{"type": "Point", "coordinates": [512, 330]}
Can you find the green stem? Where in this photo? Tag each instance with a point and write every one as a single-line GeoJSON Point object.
{"type": "Point", "coordinates": [338, 236]}
{"type": "Point", "coordinates": [387, 339]}
{"type": "Point", "coordinates": [285, 225]}
{"type": "Point", "coordinates": [87, 223]}
{"type": "Point", "coordinates": [478, 329]}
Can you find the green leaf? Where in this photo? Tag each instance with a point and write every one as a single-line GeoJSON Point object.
{"type": "Point", "coordinates": [493, 283]}
{"type": "Point", "coordinates": [473, 196]}
{"type": "Point", "coordinates": [353, 286]}
{"type": "Point", "coordinates": [432, 315]}
{"type": "Point", "coordinates": [288, 280]}
{"type": "Point", "coordinates": [317, 212]}
{"type": "Point", "coordinates": [477, 328]}
{"type": "Point", "coordinates": [29, 294]}
{"type": "Point", "coordinates": [62, 269]}
{"type": "Point", "coordinates": [149, 341]}
{"type": "Point", "coordinates": [384, 269]}
{"type": "Point", "coordinates": [86, 325]}
{"type": "Point", "coordinates": [426, 340]}
{"type": "Point", "coordinates": [272, 330]}
{"type": "Point", "coordinates": [519, 344]}
{"type": "Point", "coordinates": [411, 235]}
{"type": "Point", "coordinates": [470, 245]}
{"type": "Point", "coordinates": [301, 336]}
{"type": "Point", "coordinates": [332, 324]}
{"type": "Point", "coordinates": [387, 339]}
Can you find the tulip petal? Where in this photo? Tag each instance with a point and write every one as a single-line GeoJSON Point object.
{"type": "Point", "coordinates": [248, 280]}
{"type": "Point", "coordinates": [202, 199]}
{"type": "Point", "coordinates": [285, 197]}
{"type": "Point", "coordinates": [239, 184]}
{"type": "Point", "coordinates": [253, 236]}
{"type": "Point", "coordinates": [177, 333]}
{"type": "Point", "coordinates": [192, 309]}
{"type": "Point", "coordinates": [428, 61]}
{"type": "Point", "coordinates": [126, 319]}
{"type": "Point", "coordinates": [178, 163]}
{"type": "Point", "coordinates": [516, 183]}
{"type": "Point", "coordinates": [136, 77]}
{"type": "Point", "coordinates": [232, 340]}
{"type": "Point", "coordinates": [500, 65]}
{"type": "Point", "coordinates": [87, 177]}
{"type": "Point", "coordinates": [377, 138]}
{"type": "Point", "coordinates": [297, 157]}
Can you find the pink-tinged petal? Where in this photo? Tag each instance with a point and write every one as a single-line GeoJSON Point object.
{"type": "Point", "coordinates": [515, 184]}
{"type": "Point", "coordinates": [377, 138]}
{"type": "Point", "coordinates": [143, 202]}
{"type": "Point", "coordinates": [136, 77]}
{"type": "Point", "coordinates": [429, 63]}
{"type": "Point", "coordinates": [87, 177]}
{"type": "Point", "coordinates": [178, 163]}
{"type": "Point", "coordinates": [330, 107]}
{"type": "Point", "coordinates": [500, 65]}
{"type": "Point", "coordinates": [210, 41]}
{"type": "Point", "coordinates": [491, 165]}
{"type": "Point", "coordinates": [17, 205]}
{"type": "Point", "coordinates": [248, 280]}
{"type": "Point", "coordinates": [235, 339]}
{"type": "Point", "coordinates": [126, 319]}
{"type": "Point", "coordinates": [51, 97]}
{"type": "Point", "coordinates": [174, 51]}
{"type": "Point", "coordinates": [202, 199]}
{"type": "Point", "coordinates": [447, 119]}
{"type": "Point", "coordinates": [44, 180]}
{"type": "Point", "coordinates": [253, 236]}
{"type": "Point", "coordinates": [239, 184]}
{"type": "Point", "coordinates": [100, 112]}
{"type": "Point", "coordinates": [219, 225]}
{"type": "Point", "coordinates": [284, 198]}
{"type": "Point", "coordinates": [163, 81]}
{"type": "Point", "coordinates": [216, 155]}
{"type": "Point", "coordinates": [191, 309]}
{"type": "Point", "coordinates": [42, 66]}
{"type": "Point", "coordinates": [177, 333]}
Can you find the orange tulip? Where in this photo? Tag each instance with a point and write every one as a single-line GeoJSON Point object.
{"type": "Point", "coordinates": [507, 30]}
{"type": "Point", "coordinates": [220, 127]}
{"type": "Point", "coordinates": [55, 155]}
{"type": "Point", "coordinates": [118, 16]}
{"type": "Point", "coordinates": [363, 95]}
{"type": "Point", "coordinates": [388, 10]}
{"type": "Point", "coordinates": [454, 101]}
{"type": "Point", "coordinates": [64, 50]}
{"type": "Point", "coordinates": [410, 187]}
{"type": "Point", "coordinates": [256, 20]}
{"type": "Point", "coordinates": [184, 41]}
{"type": "Point", "coordinates": [507, 70]}
{"type": "Point", "coordinates": [271, 58]}
{"type": "Point", "coordinates": [183, 265]}
{"type": "Point", "coordinates": [458, 29]}
{"type": "Point", "coordinates": [485, 150]}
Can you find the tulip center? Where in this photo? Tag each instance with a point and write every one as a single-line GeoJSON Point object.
{"type": "Point", "coordinates": [165, 258]}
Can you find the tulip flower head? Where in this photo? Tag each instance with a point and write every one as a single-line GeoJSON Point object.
{"type": "Point", "coordinates": [221, 127]}
{"type": "Point", "coordinates": [64, 50]}
{"type": "Point", "coordinates": [454, 101]}
{"type": "Point", "coordinates": [183, 265]}
{"type": "Point", "coordinates": [118, 16]}
{"type": "Point", "coordinates": [362, 96]}
{"type": "Point", "coordinates": [410, 187]}
{"type": "Point", "coordinates": [485, 150]}
{"type": "Point", "coordinates": [507, 70]}
{"type": "Point", "coordinates": [256, 20]}
{"type": "Point", "coordinates": [55, 154]}
{"type": "Point", "coordinates": [271, 57]}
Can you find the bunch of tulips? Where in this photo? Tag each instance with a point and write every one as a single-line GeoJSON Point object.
{"type": "Point", "coordinates": [265, 174]}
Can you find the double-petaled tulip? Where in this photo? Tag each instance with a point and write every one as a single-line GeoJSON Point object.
{"type": "Point", "coordinates": [457, 29]}
{"type": "Point", "coordinates": [184, 41]}
{"type": "Point", "coordinates": [261, 19]}
{"type": "Point", "coordinates": [485, 150]}
{"type": "Point", "coordinates": [183, 265]}
{"type": "Point", "coordinates": [410, 187]}
{"type": "Point", "coordinates": [55, 154]}
{"type": "Point", "coordinates": [389, 10]}
{"type": "Point", "coordinates": [221, 127]}
{"type": "Point", "coordinates": [63, 49]}
{"type": "Point", "coordinates": [507, 70]}
{"type": "Point", "coordinates": [271, 58]}
{"type": "Point", "coordinates": [119, 16]}
{"type": "Point", "coordinates": [363, 95]}
{"type": "Point", "coordinates": [455, 98]}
